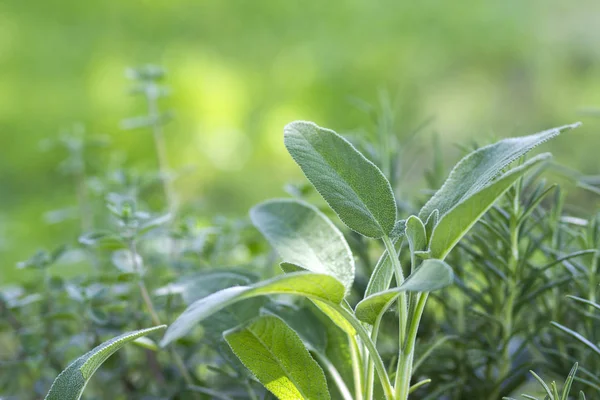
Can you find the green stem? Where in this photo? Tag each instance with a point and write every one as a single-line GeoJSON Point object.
{"type": "Point", "coordinates": [161, 151]}
{"type": "Point", "coordinates": [405, 364]}
{"type": "Point", "coordinates": [335, 375]}
{"type": "Point", "coordinates": [402, 303]}
{"type": "Point", "coordinates": [513, 278]}
{"type": "Point", "coordinates": [154, 315]}
{"type": "Point", "coordinates": [370, 375]}
{"type": "Point", "coordinates": [371, 348]}
{"type": "Point", "coordinates": [356, 367]}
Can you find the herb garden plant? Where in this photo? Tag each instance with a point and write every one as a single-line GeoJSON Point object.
{"type": "Point", "coordinates": [346, 314]}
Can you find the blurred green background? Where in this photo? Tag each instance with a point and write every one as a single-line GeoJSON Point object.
{"type": "Point", "coordinates": [239, 70]}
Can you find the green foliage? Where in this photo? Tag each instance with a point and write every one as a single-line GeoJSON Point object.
{"type": "Point", "coordinates": [457, 221]}
{"type": "Point", "coordinates": [429, 276]}
{"type": "Point", "coordinates": [477, 169]}
{"type": "Point", "coordinates": [316, 286]}
{"type": "Point", "coordinates": [239, 327]}
{"type": "Point", "coordinates": [275, 354]}
{"type": "Point", "coordinates": [352, 185]}
{"type": "Point", "coordinates": [551, 391]}
{"type": "Point", "coordinates": [72, 381]}
{"type": "Point", "coordinates": [304, 236]}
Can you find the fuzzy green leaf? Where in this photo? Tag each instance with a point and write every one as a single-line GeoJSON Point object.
{"type": "Point", "coordinates": [457, 221]}
{"type": "Point", "coordinates": [352, 185]}
{"type": "Point", "coordinates": [308, 284]}
{"type": "Point", "coordinates": [478, 168]}
{"type": "Point", "coordinates": [69, 385]}
{"type": "Point", "coordinates": [416, 234]}
{"type": "Point", "coordinates": [431, 275]}
{"type": "Point", "coordinates": [277, 357]}
{"type": "Point", "coordinates": [304, 236]}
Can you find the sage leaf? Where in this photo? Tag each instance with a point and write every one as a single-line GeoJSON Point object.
{"type": "Point", "coordinates": [416, 234]}
{"type": "Point", "coordinates": [71, 382]}
{"type": "Point", "coordinates": [456, 222]}
{"type": "Point", "coordinates": [304, 236]}
{"type": "Point", "coordinates": [478, 168]}
{"type": "Point", "coordinates": [333, 314]}
{"type": "Point", "coordinates": [431, 275]}
{"type": "Point", "coordinates": [352, 185]}
{"type": "Point", "coordinates": [277, 357]}
{"type": "Point", "coordinates": [308, 284]}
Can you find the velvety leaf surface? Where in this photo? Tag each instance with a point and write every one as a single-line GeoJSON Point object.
{"type": "Point", "coordinates": [416, 234]}
{"type": "Point", "coordinates": [431, 275]}
{"type": "Point", "coordinates": [308, 284]}
{"type": "Point", "coordinates": [277, 357]}
{"type": "Point", "coordinates": [456, 222]}
{"type": "Point", "coordinates": [69, 385]}
{"type": "Point", "coordinates": [352, 185]}
{"type": "Point", "coordinates": [304, 236]}
{"type": "Point", "coordinates": [478, 168]}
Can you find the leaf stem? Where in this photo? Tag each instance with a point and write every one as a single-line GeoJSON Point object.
{"type": "Point", "coordinates": [371, 348]}
{"type": "Point", "coordinates": [335, 375]}
{"type": "Point", "coordinates": [154, 315]}
{"type": "Point", "coordinates": [159, 143]}
{"type": "Point", "coordinates": [402, 305]}
{"type": "Point", "coordinates": [405, 364]}
{"type": "Point", "coordinates": [370, 371]}
{"type": "Point", "coordinates": [507, 318]}
{"type": "Point", "coordinates": [356, 368]}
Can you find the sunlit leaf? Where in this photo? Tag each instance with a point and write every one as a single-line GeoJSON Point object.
{"type": "Point", "coordinates": [307, 284]}
{"type": "Point", "coordinates": [277, 357]}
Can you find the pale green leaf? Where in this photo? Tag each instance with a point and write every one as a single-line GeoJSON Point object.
{"type": "Point", "coordinates": [457, 221]}
{"type": "Point", "coordinates": [478, 168]}
{"type": "Point", "coordinates": [431, 222]}
{"type": "Point", "coordinates": [431, 275]}
{"type": "Point", "coordinates": [277, 357]}
{"type": "Point", "coordinates": [335, 316]}
{"type": "Point", "coordinates": [69, 385]}
{"type": "Point", "coordinates": [352, 185]}
{"type": "Point", "coordinates": [307, 284]}
{"type": "Point", "coordinates": [416, 234]}
{"type": "Point", "coordinates": [304, 236]}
